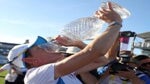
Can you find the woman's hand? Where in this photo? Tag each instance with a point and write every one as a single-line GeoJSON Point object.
{"type": "Point", "coordinates": [108, 15]}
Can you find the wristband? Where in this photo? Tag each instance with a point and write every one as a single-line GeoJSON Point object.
{"type": "Point", "coordinates": [115, 23]}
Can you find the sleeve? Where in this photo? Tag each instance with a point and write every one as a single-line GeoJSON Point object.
{"type": "Point", "coordinates": [146, 79]}
{"type": "Point", "coordinates": [143, 77]}
{"type": "Point", "coordinates": [40, 75]}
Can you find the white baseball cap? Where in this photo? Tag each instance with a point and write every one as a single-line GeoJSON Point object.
{"type": "Point", "coordinates": [17, 53]}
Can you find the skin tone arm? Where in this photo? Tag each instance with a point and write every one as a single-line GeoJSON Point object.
{"type": "Point", "coordinates": [111, 54]}
{"type": "Point", "coordinates": [102, 60]}
{"type": "Point", "coordinates": [113, 51]}
{"type": "Point", "coordinates": [87, 77]}
{"type": "Point", "coordinates": [98, 47]}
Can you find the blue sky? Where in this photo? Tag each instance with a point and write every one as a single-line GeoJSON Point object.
{"type": "Point", "coordinates": [26, 19]}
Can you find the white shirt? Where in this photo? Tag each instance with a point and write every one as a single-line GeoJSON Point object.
{"type": "Point", "coordinates": [45, 75]}
{"type": "Point", "coordinates": [11, 77]}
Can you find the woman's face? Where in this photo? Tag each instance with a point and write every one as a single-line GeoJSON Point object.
{"type": "Point", "coordinates": [41, 56]}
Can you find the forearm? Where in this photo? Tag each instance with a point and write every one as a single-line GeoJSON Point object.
{"type": "Point", "coordinates": [110, 55]}
{"type": "Point", "coordinates": [113, 51]}
{"type": "Point", "coordinates": [96, 48]}
{"type": "Point", "coordinates": [104, 42]}
{"type": "Point", "coordinates": [94, 65]}
{"type": "Point", "coordinates": [80, 45]}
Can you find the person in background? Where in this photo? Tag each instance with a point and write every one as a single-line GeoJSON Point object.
{"type": "Point", "coordinates": [114, 74]}
{"type": "Point", "coordinates": [88, 78]}
{"type": "Point", "coordinates": [143, 62]}
{"type": "Point", "coordinates": [14, 68]}
{"type": "Point", "coordinates": [143, 67]}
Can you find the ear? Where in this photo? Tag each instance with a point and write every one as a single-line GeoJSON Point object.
{"type": "Point", "coordinates": [31, 61]}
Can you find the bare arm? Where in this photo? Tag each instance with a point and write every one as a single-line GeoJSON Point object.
{"type": "Point", "coordinates": [113, 51]}
{"type": "Point", "coordinates": [102, 60]}
{"type": "Point", "coordinates": [98, 47]}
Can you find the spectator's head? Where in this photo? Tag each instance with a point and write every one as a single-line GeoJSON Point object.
{"type": "Point", "coordinates": [143, 61]}
{"type": "Point", "coordinates": [14, 57]}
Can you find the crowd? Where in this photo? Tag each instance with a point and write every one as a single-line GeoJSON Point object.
{"type": "Point", "coordinates": [41, 62]}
